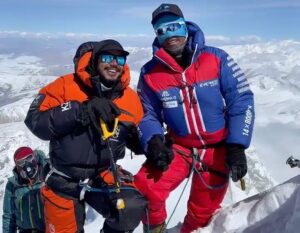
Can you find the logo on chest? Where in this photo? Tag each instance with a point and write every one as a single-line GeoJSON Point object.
{"type": "Point", "coordinates": [209, 83]}
{"type": "Point", "coordinates": [168, 100]}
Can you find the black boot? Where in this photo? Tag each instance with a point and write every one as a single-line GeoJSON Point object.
{"type": "Point", "coordinates": [107, 229]}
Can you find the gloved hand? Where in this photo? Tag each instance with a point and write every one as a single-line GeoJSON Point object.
{"type": "Point", "coordinates": [236, 161]}
{"type": "Point", "coordinates": [98, 108]}
{"type": "Point", "coordinates": [159, 153]}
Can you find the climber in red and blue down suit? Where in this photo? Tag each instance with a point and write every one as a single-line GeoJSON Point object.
{"type": "Point", "coordinates": [203, 98]}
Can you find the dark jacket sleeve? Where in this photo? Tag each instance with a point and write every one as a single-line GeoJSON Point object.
{"type": "Point", "coordinates": [152, 122]}
{"type": "Point", "coordinates": [8, 217]}
{"type": "Point", "coordinates": [133, 142]}
{"type": "Point", "coordinates": [51, 114]}
{"type": "Point", "coordinates": [55, 122]}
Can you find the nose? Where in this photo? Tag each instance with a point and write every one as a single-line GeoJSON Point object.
{"type": "Point", "coordinates": [114, 62]}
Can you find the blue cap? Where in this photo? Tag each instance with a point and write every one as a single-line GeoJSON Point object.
{"type": "Point", "coordinates": [166, 8]}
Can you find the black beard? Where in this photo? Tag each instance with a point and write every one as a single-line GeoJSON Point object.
{"type": "Point", "coordinates": [177, 53]}
{"type": "Point", "coordinates": [109, 83]}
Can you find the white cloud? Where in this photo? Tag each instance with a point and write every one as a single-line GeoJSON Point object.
{"type": "Point", "coordinates": [223, 40]}
{"type": "Point", "coordinates": [62, 35]}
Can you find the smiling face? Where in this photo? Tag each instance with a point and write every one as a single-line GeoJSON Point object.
{"type": "Point", "coordinates": [174, 44]}
{"type": "Point", "coordinates": [110, 70]}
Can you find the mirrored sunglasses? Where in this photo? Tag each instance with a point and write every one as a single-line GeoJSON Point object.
{"type": "Point", "coordinates": [108, 58]}
{"type": "Point", "coordinates": [172, 27]}
{"type": "Point", "coordinates": [21, 162]}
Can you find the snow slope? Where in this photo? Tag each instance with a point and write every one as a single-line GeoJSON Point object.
{"type": "Point", "coordinates": [276, 210]}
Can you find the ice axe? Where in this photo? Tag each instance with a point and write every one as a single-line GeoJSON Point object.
{"type": "Point", "coordinates": [106, 134]}
{"type": "Point", "coordinates": [243, 184]}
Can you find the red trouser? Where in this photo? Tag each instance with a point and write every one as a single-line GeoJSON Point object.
{"type": "Point", "coordinates": [156, 187]}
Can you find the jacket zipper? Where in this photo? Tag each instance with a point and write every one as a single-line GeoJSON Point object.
{"type": "Point", "coordinates": [186, 89]}
{"type": "Point", "coordinates": [29, 210]}
{"type": "Point", "coordinates": [190, 97]}
{"type": "Point", "coordinates": [183, 82]}
{"type": "Point", "coordinates": [21, 209]}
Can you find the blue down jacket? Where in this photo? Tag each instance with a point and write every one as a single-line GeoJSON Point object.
{"type": "Point", "coordinates": [207, 102]}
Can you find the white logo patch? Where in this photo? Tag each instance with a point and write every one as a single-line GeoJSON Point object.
{"type": "Point", "coordinates": [248, 121]}
{"type": "Point", "coordinates": [170, 104]}
{"type": "Point", "coordinates": [210, 83]}
{"type": "Point", "coordinates": [65, 106]}
{"type": "Point", "coordinates": [51, 228]}
{"type": "Point", "coordinates": [165, 94]}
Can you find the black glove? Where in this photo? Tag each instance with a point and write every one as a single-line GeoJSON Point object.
{"type": "Point", "coordinates": [98, 108]}
{"type": "Point", "coordinates": [236, 161]}
{"type": "Point", "coordinates": [159, 153]}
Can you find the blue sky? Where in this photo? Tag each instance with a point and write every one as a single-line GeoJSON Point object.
{"type": "Point", "coordinates": [277, 19]}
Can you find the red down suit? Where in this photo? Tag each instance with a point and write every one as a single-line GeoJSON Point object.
{"type": "Point", "coordinates": [204, 106]}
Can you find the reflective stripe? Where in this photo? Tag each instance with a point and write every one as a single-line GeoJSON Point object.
{"type": "Point", "coordinates": [243, 83]}
{"type": "Point", "coordinates": [185, 113]}
{"type": "Point", "coordinates": [243, 89]}
{"type": "Point", "coordinates": [241, 78]}
{"type": "Point", "coordinates": [236, 67]}
{"type": "Point", "coordinates": [238, 73]}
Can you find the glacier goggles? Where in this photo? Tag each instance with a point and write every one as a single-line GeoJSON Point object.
{"type": "Point", "coordinates": [108, 58]}
{"type": "Point", "coordinates": [171, 27]}
{"type": "Point", "coordinates": [28, 159]}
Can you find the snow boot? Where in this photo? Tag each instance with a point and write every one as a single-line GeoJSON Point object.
{"type": "Point", "coordinates": [107, 229]}
{"type": "Point", "coordinates": [160, 228]}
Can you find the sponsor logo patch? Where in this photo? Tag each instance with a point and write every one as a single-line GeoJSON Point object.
{"type": "Point", "coordinates": [210, 83]}
{"type": "Point", "coordinates": [170, 104]}
{"type": "Point", "coordinates": [65, 106]}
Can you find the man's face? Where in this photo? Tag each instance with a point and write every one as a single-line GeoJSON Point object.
{"type": "Point", "coordinates": [171, 32]}
{"type": "Point", "coordinates": [110, 65]}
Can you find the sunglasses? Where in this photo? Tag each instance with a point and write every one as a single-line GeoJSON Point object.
{"type": "Point", "coordinates": [108, 58]}
{"type": "Point", "coordinates": [172, 27]}
{"type": "Point", "coordinates": [21, 162]}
